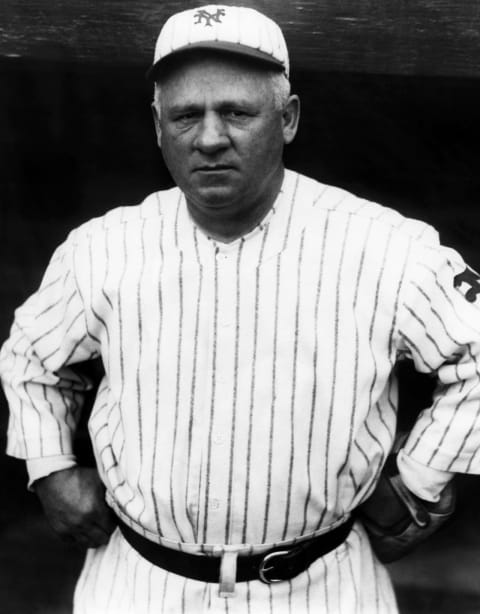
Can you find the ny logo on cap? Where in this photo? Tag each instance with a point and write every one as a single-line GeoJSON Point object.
{"type": "Point", "coordinates": [202, 14]}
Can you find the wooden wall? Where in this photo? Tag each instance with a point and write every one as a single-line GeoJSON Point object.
{"type": "Point", "coordinates": [425, 37]}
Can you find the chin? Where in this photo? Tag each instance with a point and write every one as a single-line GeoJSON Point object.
{"type": "Point", "coordinates": [215, 198]}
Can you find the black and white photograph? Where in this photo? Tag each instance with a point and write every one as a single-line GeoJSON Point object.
{"type": "Point", "coordinates": [240, 307]}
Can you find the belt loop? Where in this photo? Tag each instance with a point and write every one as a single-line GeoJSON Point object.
{"type": "Point", "coordinates": [228, 573]}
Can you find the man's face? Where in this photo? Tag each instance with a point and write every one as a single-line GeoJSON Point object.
{"type": "Point", "coordinates": [221, 136]}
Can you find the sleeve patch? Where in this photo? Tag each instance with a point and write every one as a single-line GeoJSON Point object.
{"type": "Point", "coordinates": [468, 283]}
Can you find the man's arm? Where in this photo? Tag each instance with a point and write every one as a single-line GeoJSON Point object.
{"type": "Point", "coordinates": [440, 330]}
{"type": "Point", "coordinates": [45, 394]}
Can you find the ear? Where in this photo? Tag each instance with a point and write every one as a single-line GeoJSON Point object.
{"type": "Point", "coordinates": [156, 121]}
{"type": "Point", "coordinates": [290, 117]}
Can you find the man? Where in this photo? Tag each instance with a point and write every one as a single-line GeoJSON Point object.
{"type": "Point", "coordinates": [249, 321]}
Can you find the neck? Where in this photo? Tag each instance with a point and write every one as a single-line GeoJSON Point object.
{"type": "Point", "coordinates": [226, 225]}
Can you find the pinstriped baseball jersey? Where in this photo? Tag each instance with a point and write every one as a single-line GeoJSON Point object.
{"type": "Point", "coordinates": [248, 395]}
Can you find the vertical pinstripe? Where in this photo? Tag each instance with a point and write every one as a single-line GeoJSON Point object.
{"type": "Point", "coordinates": [326, 573]}
{"type": "Point", "coordinates": [467, 434]}
{"type": "Point", "coordinates": [272, 404]}
{"type": "Point", "coordinates": [290, 590]}
{"type": "Point", "coordinates": [195, 520]}
{"type": "Point", "coordinates": [309, 587]}
{"type": "Point", "coordinates": [274, 361]}
{"type": "Point", "coordinates": [213, 386]}
{"type": "Point", "coordinates": [294, 390]}
{"type": "Point", "coordinates": [157, 384]}
{"type": "Point", "coordinates": [357, 355]}
{"type": "Point", "coordinates": [251, 383]}
{"type": "Point", "coordinates": [122, 345]}
{"type": "Point", "coordinates": [164, 593]}
{"type": "Point", "coordinates": [340, 584]}
{"type": "Point", "coordinates": [270, 598]}
{"type": "Point", "coordinates": [234, 408]}
{"type": "Point", "coordinates": [334, 387]}
{"type": "Point", "coordinates": [314, 378]}
{"type": "Point", "coordinates": [140, 403]}
{"type": "Point", "coordinates": [149, 594]}
{"type": "Point", "coordinates": [252, 390]}
{"type": "Point", "coordinates": [184, 596]}
{"type": "Point", "coordinates": [112, 585]}
{"type": "Point", "coordinates": [94, 312]}
{"type": "Point", "coordinates": [372, 325]}
{"type": "Point", "coordinates": [177, 391]}
{"type": "Point", "coordinates": [352, 581]}
{"type": "Point", "coordinates": [140, 344]}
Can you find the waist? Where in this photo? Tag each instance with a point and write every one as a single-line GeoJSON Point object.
{"type": "Point", "coordinates": [276, 564]}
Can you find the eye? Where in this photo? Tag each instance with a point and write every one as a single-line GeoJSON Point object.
{"type": "Point", "coordinates": [186, 118]}
{"type": "Point", "coordinates": [236, 114]}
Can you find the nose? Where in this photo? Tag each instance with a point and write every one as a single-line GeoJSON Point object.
{"type": "Point", "coordinates": [211, 134]}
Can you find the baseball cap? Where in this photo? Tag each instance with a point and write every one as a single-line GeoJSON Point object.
{"type": "Point", "coordinates": [232, 29]}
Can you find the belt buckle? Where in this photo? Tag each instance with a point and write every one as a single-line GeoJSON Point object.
{"type": "Point", "coordinates": [263, 568]}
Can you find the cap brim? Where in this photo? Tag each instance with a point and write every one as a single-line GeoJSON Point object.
{"type": "Point", "coordinates": [233, 48]}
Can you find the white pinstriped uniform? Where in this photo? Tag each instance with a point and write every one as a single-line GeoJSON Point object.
{"type": "Point", "coordinates": [249, 396]}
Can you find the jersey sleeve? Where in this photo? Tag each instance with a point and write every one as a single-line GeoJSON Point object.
{"type": "Point", "coordinates": [439, 328]}
{"type": "Point", "coordinates": [44, 390]}
{"type": "Point", "coordinates": [38, 468]}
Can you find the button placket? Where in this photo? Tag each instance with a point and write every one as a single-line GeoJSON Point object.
{"type": "Point", "coordinates": [225, 349]}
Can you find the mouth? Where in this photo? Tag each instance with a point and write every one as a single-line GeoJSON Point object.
{"type": "Point", "coordinates": [213, 168]}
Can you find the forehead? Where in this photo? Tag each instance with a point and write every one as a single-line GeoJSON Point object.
{"type": "Point", "coordinates": [214, 75]}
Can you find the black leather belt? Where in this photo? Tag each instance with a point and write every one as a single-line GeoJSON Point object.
{"type": "Point", "coordinates": [275, 565]}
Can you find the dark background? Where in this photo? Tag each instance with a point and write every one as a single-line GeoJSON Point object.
{"type": "Point", "coordinates": [390, 110]}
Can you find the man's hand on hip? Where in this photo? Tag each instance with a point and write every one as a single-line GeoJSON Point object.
{"type": "Point", "coordinates": [74, 503]}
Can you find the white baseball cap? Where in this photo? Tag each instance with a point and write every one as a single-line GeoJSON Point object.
{"type": "Point", "coordinates": [231, 29]}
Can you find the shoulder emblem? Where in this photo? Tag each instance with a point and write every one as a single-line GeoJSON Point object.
{"type": "Point", "coordinates": [468, 283]}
